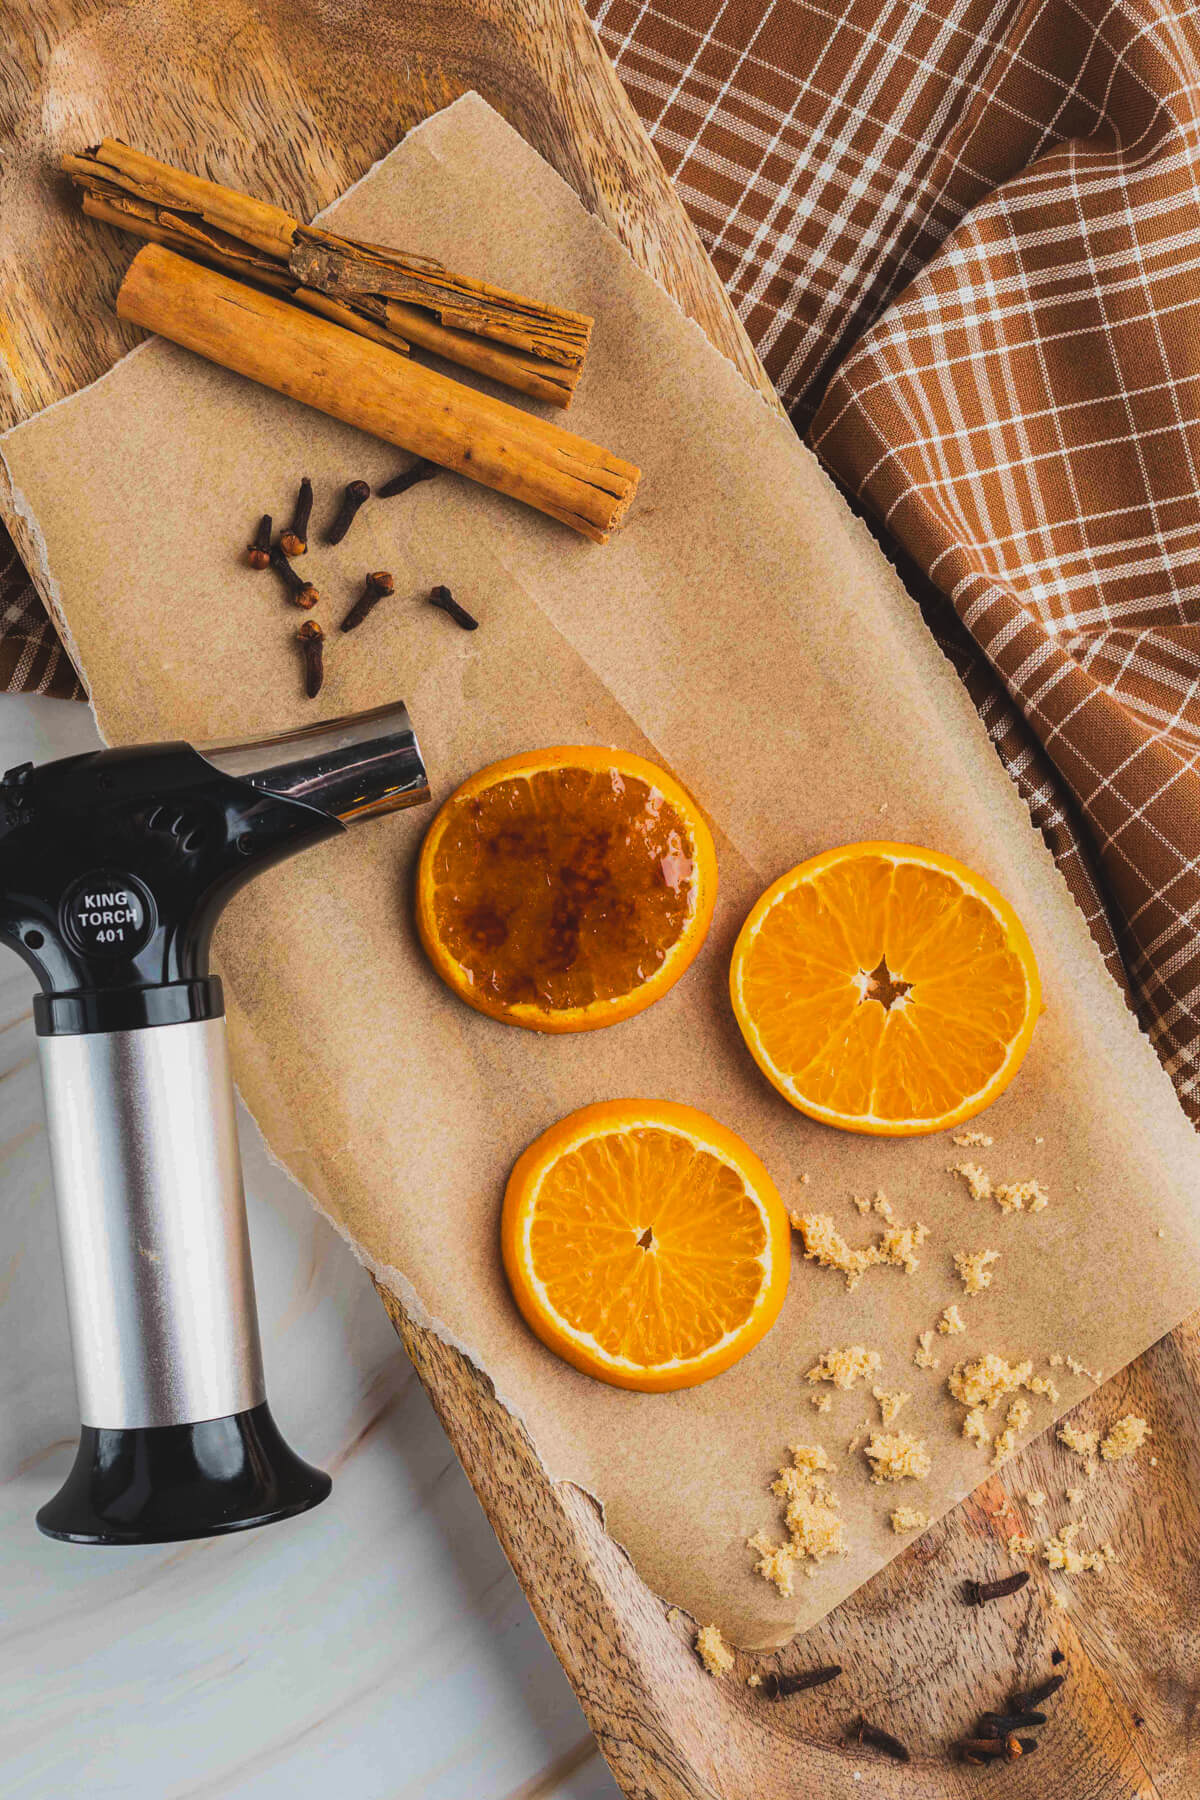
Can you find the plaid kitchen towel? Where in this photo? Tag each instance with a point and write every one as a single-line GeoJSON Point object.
{"type": "Point", "coordinates": [964, 236]}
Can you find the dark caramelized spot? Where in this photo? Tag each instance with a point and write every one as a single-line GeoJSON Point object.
{"type": "Point", "coordinates": [564, 887]}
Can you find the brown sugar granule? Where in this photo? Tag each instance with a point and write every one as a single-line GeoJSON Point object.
{"type": "Point", "coordinates": [1019, 1419]}
{"type": "Point", "coordinates": [1060, 1553]}
{"type": "Point", "coordinates": [713, 1651]}
{"type": "Point", "coordinates": [844, 1367]}
{"type": "Point", "coordinates": [890, 1404]}
{"type": "Point", "coordinates": [810, 1514]}
{"type": "Point", "coordinates": [1010, 1196]}
{"type": "Point", "coordinates": [1081, 1439]}
{"type": "Point", "coordinates": [975, 1426]}
{"type": "Point", "coordinates": [951, 1322]}
{"type": "Point", "coordinates": [1125, 1438]}
{"type": "Point", "coordinates": [824, 1244]}
{"type": "Point", "coordinates": [923, 1355]}
{"type": "Point", "coordinates": [974, 1269]}
{"type": "Point", "coordinates": [987, 1380]}
{"type": "Point", "coordinates": [908, 1518]}
{"type": "Point", "coordinates": [898, 1456]}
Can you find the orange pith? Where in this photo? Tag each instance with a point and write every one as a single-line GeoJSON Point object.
{"type": "Point", "coordinates": [645, 1243]}
{"type": "Point", "coordinates": [886, 988]}
{"type": "Point", "coordinates": [567, 888]}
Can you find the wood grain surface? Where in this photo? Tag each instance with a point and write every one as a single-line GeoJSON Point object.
{"type": "Point", "coordinates": [295, 100]}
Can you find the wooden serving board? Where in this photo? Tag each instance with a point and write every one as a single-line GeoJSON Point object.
{"type": "Point", "coordinates": [295, 101]}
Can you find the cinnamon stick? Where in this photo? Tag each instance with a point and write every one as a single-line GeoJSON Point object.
{"type": "Point", "coordinates": [347, 376]}
{"type": "Point", "coordinates": [387, 295]}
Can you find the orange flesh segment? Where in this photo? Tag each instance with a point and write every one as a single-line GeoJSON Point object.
{"type": "Point", "coordinates": [563, 887]}
{"type": "Point", "coordinates": [948, 963]}
{"type": "Point", "coordinates": [648, 1244]}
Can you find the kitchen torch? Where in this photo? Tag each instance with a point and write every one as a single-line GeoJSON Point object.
{"type": "Point", "coordinates": [114, 867]}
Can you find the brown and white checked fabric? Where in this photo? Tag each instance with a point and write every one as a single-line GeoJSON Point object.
{"type": "Point", "coordinates": [964, 236]}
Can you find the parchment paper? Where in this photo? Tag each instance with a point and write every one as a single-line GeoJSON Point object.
{"type": "Point", "coordinates": [744, 630]}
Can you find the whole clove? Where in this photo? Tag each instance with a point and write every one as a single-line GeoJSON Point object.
{"type": "Point", "coordinates": [353, 496]}
{"type": "Point", "coordinates": [312, 643]}
{"type": "Point", "coordinates": [978, 1750]}
{"type": "Point", "coordinates": [444, 600]}
{"type": "Point", "coordinates": [301, 592]}
{"type": "Point", "coordinates": [779, 1687]}
{"type": "Point", "coordinates": [258, 551]}
{"type": "Point", "coordinates": [1035, 1696]}
{"type": "Point", "coordinates": [978, 1593]}
{"type": "Point", "coordinates": [377, 585]}
{"type": "Point", "coordinates": [876, 1739]}
{"type": "Point", "coordinates": [993, 1724]}
{"type": "Point", "coordinates": [294, 541]}
{"type": "Point", "coordinates": [421, 470]}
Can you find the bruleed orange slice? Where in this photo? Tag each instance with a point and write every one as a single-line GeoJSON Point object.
{"type": "Point", "coordinates": [566, 889]}
{"type": "Point", "coordinates": [885, 988]}
{"type": "Point", "coordinates": [645, 1243]}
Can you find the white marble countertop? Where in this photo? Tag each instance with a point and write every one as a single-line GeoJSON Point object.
{"type": "Point", "coordinates": [378, 1647]}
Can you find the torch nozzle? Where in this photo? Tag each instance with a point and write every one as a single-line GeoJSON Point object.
{"type": "Point", "coordinates": [352, 768]}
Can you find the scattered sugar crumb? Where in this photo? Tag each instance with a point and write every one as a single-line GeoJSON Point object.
{"type": "Point", "coordinates": [1154, 1462]}
{"type": "Point", "coordinates": [1010, 1196]}
{"type": "Point", "coordinates": [1042, 1384]}
{"type": "Point", "coordinates": [1056, 1360]}
{"type": "Point", "coordinates": [883, 1206]}
{"type": "Point", "coordinates": [713, 1651]}
{"type": "Point", "coordinates": [1060, 1553]}
{"type": "Point", "coordinates": [1020, 1545]}
{"type": "Point", "coordinates": [951, 1322]}
{"type": "Point", "coordinates": [822, 1402]}
{"type": "Point", "coordinates": [1075, 1495]}
{"type": "Point", "coordinates": [1125, 1438]}
{"type": "Point", "coordinates": [974, 1269]}
{"type": "Point", "coordinates": [1081, 1439]}
{"type": "Point", "coordinates": [1035, 1498]}
{"type": "Point", "coordinates": [908, 1518]}
{"type": "Point", "coordinates": [890, 1404]}
{"type": "Point", "coordinates": [754, 1680]}
{"type": "Point", "coordinates": [1021, 1196]}
{"type": "Point", "coordinates": [863, 1202]}
{"type": "Point", "coordinates": [804, 1180]}
{"type": "Point", "coordinates": [988, 1380]}
{"type": "Point", "coordinates": [1078, 1368]}
{"type": "Point", "coordinates": [975, 1426]}
{"type": "Point", "coordinates": [1058, 1600]}
{"type": "Point", "coordinates": [974, 1140]}
{"type": "Point", "coordinates": [810, 1514]}
{"type": "Point", "coordinates": [1019, 1419]}
{"type": "Point", "coordinates": [979, 1182]}
{"type": "Point", "coordinates": [1161, 1232]}
{"type": "Point", "coordinates": [1039, 1140]}
{"type": "Point", "coordinates": [923, 1356]}
{"type": "Point", "coordinates": [844, 1367]}
{"type": "Point", "coordinates": [861, 1431]}
{"type": "Point", "coordinates": [898, 1456]}
{"type": "Point", "coordinates": [824, 1244]}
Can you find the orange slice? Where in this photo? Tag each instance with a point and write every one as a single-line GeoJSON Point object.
{"type": "Point", "coordinates": [567, 888]}
{"type": "Point", "coordinates": [645, 1243]}
{"type": "Point", "coordinates": [886, 988]}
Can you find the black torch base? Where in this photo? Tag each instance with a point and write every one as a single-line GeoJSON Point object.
{"type": "Point", "coordinates": [164, 1483]}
